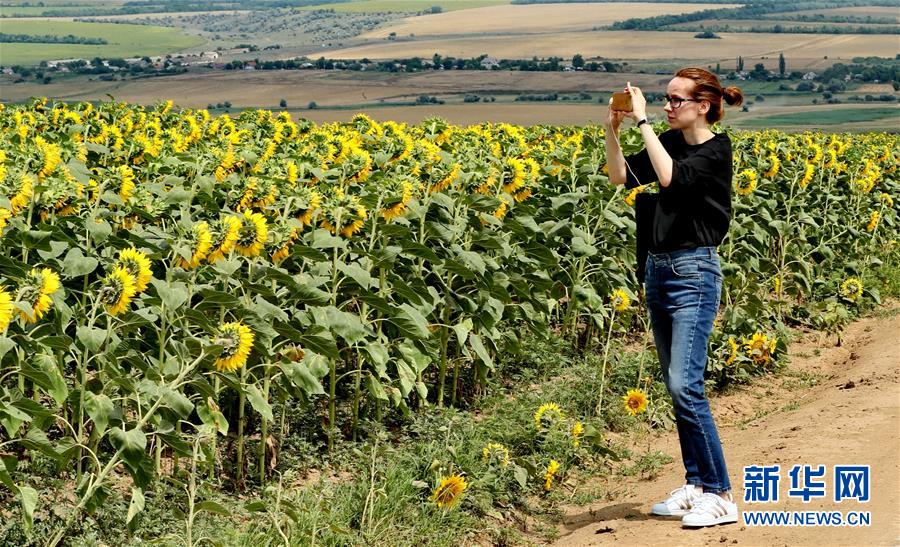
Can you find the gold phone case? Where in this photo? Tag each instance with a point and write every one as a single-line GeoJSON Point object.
{"type": "Point", "coordinates": [621, 101]}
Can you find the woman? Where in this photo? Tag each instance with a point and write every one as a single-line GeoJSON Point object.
{"type": "Point", "coordinates": [683, 279]}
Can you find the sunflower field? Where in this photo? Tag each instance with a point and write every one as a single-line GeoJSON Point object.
{"type": "Point", "coordinates": [172, 282]}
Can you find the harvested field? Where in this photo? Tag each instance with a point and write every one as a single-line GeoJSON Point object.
{"type": "Point", "coordinates": [535, 18]}
{"type": "Point", "coordinates": [804, 49]}
{"type": "Point", "coordinates": [859, 11]}
{"type": "Point", "coordinates": [406, 5]}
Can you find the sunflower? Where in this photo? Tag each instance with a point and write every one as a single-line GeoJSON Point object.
{"type": "Point", "coordinates": [760, 348]}
{"type": "Point", "coordinates": [550, 474]}
{"type": "Point", "coordinates": [126, 182]}
{"type": "Point", "coordinates": [774, 166]}
{"type": "Point", "coordinates": [5, 215]}
{"type": "Point", "coordinates": [746, 182]}
{"type": "Point", "coordinates": [514, 176]}
{"type": "Point", "coordinates": [635, 401]}
{"type": "Point", "coordinates": [733, 351]}
{"type": "Point", "coordinates": [807, 175]}
{"type": "Point", "coordinates": [236, 340]}
{"type": "Point", "coordinates": [6, 309]}
{"type": "Point", "coordinates": [201, 242]}
{"type": "Point", "coordinates": [873, 222]}
{"type": "Point", "coordinates": [343, 213]}
{"type": "Point", "coordinates": [577, 431]}
{"type": "Point", "coordinates": [51, 155]}
{"type": "Point", "coordinates": [495, 453]}
{"type": "Point", "coordinates": [23, 194]}
{"type": "Point", "coordinates": [446, 181]}
{"type": "Point", "coordinates": [399, 207]}
{"type": "Point", "coordinates": [138, 265]}
{"type": "Point", "coordinates": [307, 202]}
{"type": "Point", "coordinates": [37, 288]}
{"type": "Point", "coordinates": [620, 300]}
{"type": "Point", "coordinates": [224, 237]}
{"type": "Point", "coordinates": [449, 491]}
{"type": "Point", "coordinates": [252, 234]}
{"type": "Point", "coordinates": [851, 289]}
{"type": "Point", "coordinates": [632, 196]}
{"type": "Point", "coordinates": [117, 291]}
{"type": "Point", "coordinates": [548, 414]}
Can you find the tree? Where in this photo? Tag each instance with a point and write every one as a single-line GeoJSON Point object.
{"type": "Point", "coordinates": [718, 68]}
{"type": "Point", "coordinates": [781, 65]}
{"type": "Point", "coordinates": [312, 105]}
{"type": "Point", "coordinates": [282, 103]}
{"type": "Point", "coordinates": [578, 61]}
{"type": "Point", "coordinates": [740, 64]}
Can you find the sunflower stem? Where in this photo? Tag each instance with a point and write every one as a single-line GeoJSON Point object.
{"type": "Point", "coordinates": [239, 457]}
{"type": "Point", "coordinates": [612, 321]}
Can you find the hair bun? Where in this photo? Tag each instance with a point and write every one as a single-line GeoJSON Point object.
{"type": "Point", "coordinates": [733, 95]}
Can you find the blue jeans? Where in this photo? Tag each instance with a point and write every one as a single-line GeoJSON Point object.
{"type": "Point", "coordinates": [683, 289]}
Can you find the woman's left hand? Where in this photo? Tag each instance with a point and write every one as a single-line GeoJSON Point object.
{"type": "Point", "coordinates": [638, 103]}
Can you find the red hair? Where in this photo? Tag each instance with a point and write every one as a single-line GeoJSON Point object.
{"type": "Point", "coordinates": [707, 88]}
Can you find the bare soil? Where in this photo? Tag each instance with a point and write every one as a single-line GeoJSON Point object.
{"type": "Point", "coordinates": [832, 405]}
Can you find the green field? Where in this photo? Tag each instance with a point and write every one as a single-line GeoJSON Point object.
{"type": "Point", "coordinates": [407, 5]}
{"type": "Point", "coordinates": [124, 41]}
{"type": "Point", "coordinates": [824, 117]}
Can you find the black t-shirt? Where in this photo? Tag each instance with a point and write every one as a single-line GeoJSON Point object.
{"type": "Point", "coordinates": [695, 209]}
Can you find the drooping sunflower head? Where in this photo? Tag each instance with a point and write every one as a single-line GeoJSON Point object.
{"type": "Point", "coordinates": [620, 300]}
{"type": "Point", "coordinates": [548, 415]}
{"type": "Point", "coordinates": [732, 351]}
{"type": "Point", "coordinates": [125, 179]}
{"type": "Point", "coordinates": [774, 166]}
{"type": "Point", "coordinates": [117, 290]}
{"type": "Point", "coordinates": [236, 340]}
{"type": "Point", "coordinates": [443, 176]}
{"type": "Point", "coordinates": [550, 474]}
{"type": "Point", "coordinates": [635, 401]}
{"type": "Point", "coordinates": [281, 236]}
{"type": "Point", "coordinates": [5, 215]}
{"type": "Point", "coordinates": [343, 213]}
{"type": "Point", "coordinates": [306, 201]}
{"type": "Point", "coordinates": [252, 235]}
{"type": "Point", "coordinates": [397, 195]}
{"type": "Point", "coordinates": [449, 491]}
{"type": "Point", "coordinates": [873, 221]}
{"type": "Point", "coordinates": [224, 236]}
{"type": "Point", "coordinates": [495, 454]}
{"type": "Point", "coordinates": [577, 431]}
{"type": "Point", "coordinates": [851, 289]}
{"type": "Point", "coordinates": [138, 265]}
{"type": "Point", "coordinates": [37, 288]}
{"type": "Point", "coordinates": [6, 309]}
{"type": "Point", "coordinates": [200, 242]}
{"type": "Point", "coordinates": [21, 192]}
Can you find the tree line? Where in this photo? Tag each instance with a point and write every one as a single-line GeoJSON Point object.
{"type": "Point", "coordinates": [49, 39]}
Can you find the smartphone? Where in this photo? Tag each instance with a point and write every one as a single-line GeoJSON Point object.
{"type": "Point", "coordinates": [621, 101]}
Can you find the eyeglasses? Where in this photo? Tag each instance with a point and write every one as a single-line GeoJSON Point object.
{"type": "Point", "coordinates": [676, 102]}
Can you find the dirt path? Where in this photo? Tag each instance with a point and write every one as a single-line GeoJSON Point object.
{"type": "Point", "coordinates": [841, 406]}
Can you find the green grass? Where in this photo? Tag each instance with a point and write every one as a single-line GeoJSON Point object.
{"type": "Point", "coordinates": [408, 5]}
{"type": "Point", "coordinates": [824, 117]}
{"type": "Point", "coordinates": [124, 41]}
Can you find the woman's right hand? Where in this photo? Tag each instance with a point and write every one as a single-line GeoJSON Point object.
{"type": "Point", "coordinates": [614, 117]}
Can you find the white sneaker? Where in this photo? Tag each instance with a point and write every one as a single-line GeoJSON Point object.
{"type": "Point", "coordinates": [710, 509]}
{"type": "Point", "coordinates": [679, 502]}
